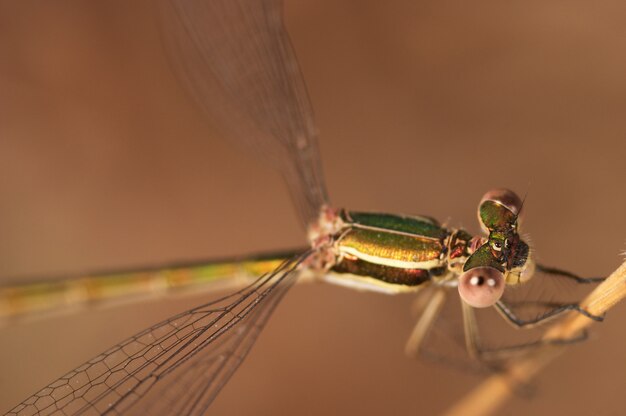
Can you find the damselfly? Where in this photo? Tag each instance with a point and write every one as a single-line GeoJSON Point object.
{"type": "Point", "coordinates": [313, 200]}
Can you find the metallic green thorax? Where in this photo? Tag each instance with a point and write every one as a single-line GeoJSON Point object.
{"type": "Point", "coordinates": [417, 226]}
{"type": "Point", "coordinates": [394, 249]}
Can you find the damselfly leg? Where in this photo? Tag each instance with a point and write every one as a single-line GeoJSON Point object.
{"type": "Point", "coordinates": [550, 309]}
{"type": "Point", "coordinates": [524, 309]}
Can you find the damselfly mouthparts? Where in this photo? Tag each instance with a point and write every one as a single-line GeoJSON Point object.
{"type": "Point", "coordinates": [298, 179]}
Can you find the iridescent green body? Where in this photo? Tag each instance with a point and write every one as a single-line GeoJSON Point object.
{"type": "Point", "coordinates": [108, 288]}
{"type": "Point", "coordinates": [406, 251]}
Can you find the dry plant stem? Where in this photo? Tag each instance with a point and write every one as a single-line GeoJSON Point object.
{"type": "Point", "coordinates": [493, 392]}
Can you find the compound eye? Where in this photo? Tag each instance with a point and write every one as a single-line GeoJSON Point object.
{"type": "Point", "coordinates": [481, 287]}
{"type": "Point", "coordinates": [499, 210]}
{"type": "Point", "coordinates": [504, 197]}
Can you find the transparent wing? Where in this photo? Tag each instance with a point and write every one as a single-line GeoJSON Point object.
{"type": "Point", "coordinates": [175, 367]}
{"type": "Point", "coordinates": [236, 59]}
{"type": "Point", "coordinates": [498, 340]}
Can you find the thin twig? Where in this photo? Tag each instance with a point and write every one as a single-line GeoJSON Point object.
{"type": "Point", "coordinates": [489, 396]}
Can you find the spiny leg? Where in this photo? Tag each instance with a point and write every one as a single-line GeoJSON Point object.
{"type": "Point", "coordinates": [430, 306]}
{"type": "Point", "coordinates": [472, 339]}
{"type": "Point", "coordinates": [495, 359]}
{"type": "Point", "coordinates": [553, 309]}
{"type": "Point", "coordinates": [430, 310]}
{"type": "Point", "coordinates": [518, 322]}
{"type": "Point", "coordinates": [569, 275]}
{"type": "Point", "coordinates": [489, 359]}
{"type": "Point", "coordinates": [486, 356]}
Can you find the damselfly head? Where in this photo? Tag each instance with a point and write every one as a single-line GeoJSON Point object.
{"type": "Point", "coordinates": [481, 287]}
{"type": "Point", "coordinates": [504, 251]}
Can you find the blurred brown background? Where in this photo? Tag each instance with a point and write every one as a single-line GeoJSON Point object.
{"type": "Point", "coordinates": [422, 107]}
